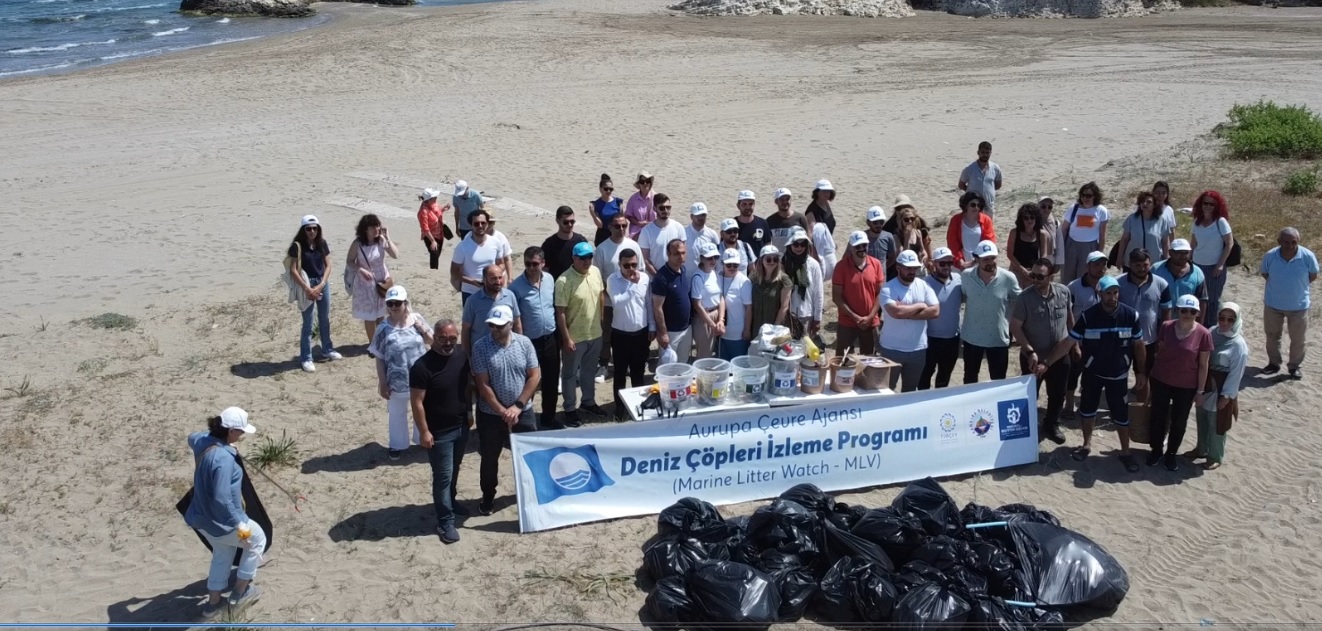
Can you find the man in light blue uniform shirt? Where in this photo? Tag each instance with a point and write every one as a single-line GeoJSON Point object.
{"type": "Point", "coordinates": [534, 289]}
{"type": "Point", "coordinates": [943, 330]}
{"type": "Point", "coordinates": [1290, 270]}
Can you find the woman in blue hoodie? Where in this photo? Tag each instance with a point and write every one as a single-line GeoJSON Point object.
{"type": "Point", "coordinates": [217, 510]}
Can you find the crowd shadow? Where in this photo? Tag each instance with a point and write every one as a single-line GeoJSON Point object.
{"type": "Point", "coordinates": [1101, 466]}
{"type": "Point", "coordinates": [413, 520]}
{"type": "Point", "coordinates": [362, 458]}
{"type": "Point", "coordinates": [258, 370]}
{"type": "Point", "coordinates": [178, 606]}
{"type": "Point", "coordinates": [1253, 378]}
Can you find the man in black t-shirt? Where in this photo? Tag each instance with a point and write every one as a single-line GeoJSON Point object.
{"type": "Point", "coordinates": [784, 220]}
{"type": "Point", "coordinates": [753, 230]}
{"type": "Point", "coordinates": [558, 247]}
{"type": "Point", "coordinates": [440, 384]}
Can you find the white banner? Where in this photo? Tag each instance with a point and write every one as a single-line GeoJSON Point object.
{"type": "Point", "coordinates": [600, 472]}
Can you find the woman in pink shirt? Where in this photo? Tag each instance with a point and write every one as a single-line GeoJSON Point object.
{"type": "Point", "coordinates": [1177, 380]}
{"type": "Point", "coordinates": [640, 210]}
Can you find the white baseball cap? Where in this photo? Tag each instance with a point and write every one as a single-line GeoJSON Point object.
{"type": "Point", "coordinates": [430, 193]}
{"type": "Point", "coordinates": [731, 256]}
{"type": "Point", "coordinates": [397, 293]}
{"type": "Point", "coordinates": [876, 213]}
{"type": "Point", "coordinates": [236, 418]}
{"type": "Point", "coordinates": [985, 248]}
{"type": "Point", "coordinates": [309, 220]}
{"type": "Point", "coordinates": [1181, 245]}
{"type": "Point", "coordinates": [729, 224]}
{"type": "Point", "coordinates": [781, 192]}
{"type": "Point", "coordinates": [769, 250]}
{"type": "Point", "coordinates": [460, 187]}
{"type": "Point", "coordinates": [709, 250]}
{"type": "Point", "coordinates": [942, 253]}
{"type": "Point", "coordinates": [743, 195]}
{"type": "Point", "coordinates": [500, 315]}
{"type": "Point", "coordinates": [797, 234]}
{"type": "Point", "coordinates": [908, 258]}
{"type": "Point", "coordinates": [1187, 301]}
{"type": "Point", "coordinates": [698, 208]}
{"type": "Point", "coordinates": [824, 185]}
{"type": "Point", "coordinates": [1095, 256]}
{"type": "Point", "coordinates": [857, 238]}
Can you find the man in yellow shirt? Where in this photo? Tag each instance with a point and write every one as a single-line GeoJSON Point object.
{"type": "Point", "coordinates": [579, 299]}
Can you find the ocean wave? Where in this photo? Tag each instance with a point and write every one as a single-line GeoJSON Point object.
{"type": "Point", "coordinates": [133, 8]}
{"type": "Point", "coordinates": [223, 21]}
{"type": "Point", "coordinates": [134, 53]}
{"type": "Point", "coordinates": [151, 22]}
{"type": "Point", "coordinates": [57, 19]}
{"type": "Point", "coordinates": [32, 70]}
{"type": "Point", "coordinates": [47, 49]}
{"type": "Point", "coordinates": [171, 31]}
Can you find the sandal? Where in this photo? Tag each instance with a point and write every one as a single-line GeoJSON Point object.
{"type": "Point", "coordinates": [1211, 466]}
{"type": "Point", "coordinates": [1131, 465]}
{"type": "Point", "coordinates": [1081, 453]}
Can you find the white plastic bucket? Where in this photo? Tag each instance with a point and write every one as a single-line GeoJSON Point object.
{"type": "Point", "coordinates": [673, 381]}
{"type": "Point", "coordinates": [750, 377]}
{"type": "Point", "coordinates": [713, 380]}
{"type": "Point", "coordinates": [784, 377]}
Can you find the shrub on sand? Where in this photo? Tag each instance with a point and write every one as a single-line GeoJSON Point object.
{"type": "Point", "coordinates": [1300, 183]}
{"type": "Point", "coordinates": [1267, 130]}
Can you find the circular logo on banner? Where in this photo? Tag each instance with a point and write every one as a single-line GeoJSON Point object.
{"type": "Point", "coordinates": [570, 471]}
{"type": "Point", "coordinates": [981, 423]}
{"type": "Point", "coordinates": [948, 423]}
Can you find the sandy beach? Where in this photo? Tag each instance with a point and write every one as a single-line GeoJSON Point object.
{"type": "Point", "coordinates": [166, 189]}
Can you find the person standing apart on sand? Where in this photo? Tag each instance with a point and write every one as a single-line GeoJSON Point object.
{"type": "Point", "coordinates": [441, 393]}
{"type": "Point", "coordinates": [771, 291]}
{"type": "Point", "coordinates": [465, 201]}
{"type": "Point", "coordinates": [988, 292]}
{"type": "Point", "coordinates": [656, 237]}
{"type": "Point", "coordinates": [819, 206]}
{"type": "Point", "coordinates": [401, 339]}
{"type": "Point", "coordinates": [604, 209]}
{"type": "Point", "coordinates": [1111, 341]}
{"type": "Point", "coordinates": [310, 267]}
{"type": "Point", "coordinates": [968, 228]}
{"type": "Point", "coordinates": [1146, 229]}
{"type": "Point", "coordinates": [943, 331]}
{"type": "Point", "coordinates": [738, 291]}
{"type": "Point", "coordinates": [1179, 377]}
{"type": "Point", "coordinates": [753, 230]}
{"type": "Point", "coordinates": [559, 247]}
{"type": "Point", "coordinates": [505, 376]}
{"type": "Point", "coordinates": [431, 219]}
{"type": "Point", "coordinates": [1041, 319]}
{"type": "Point", "coordinates": [708, 302]}
{"type": "Point", "coordinates": [672, 303]}
{"type": "Point", "coordinates": [730, 241]}
{"type": "Point", "coordinates": [1083, 230]}
{"type": "Point", "coordinates": [1225, 370]}
{"type": "Point", "coordinates": [908, 304]}
{"type": "Point", "coordinates": [785, 219]}
{"type": "Point", "coordinates": [474, 254]}
{"type": "Point", "coordinates": [606, 258]}
{"type": "Point", "coordinates": [1212, 245]}
{"type": "Point", "coordinates": [217, 511]}
{"type": "Point", "coordinates": [493, 293]}
{"type": "Point", "coordinates": [1181, 275]}
{"type": "Point", "coordinates": [579, 298]}
{"type": "Point", "coordinates": [982, 176]}
{"type": "Point", "coordinates": [807, 286]}
{"type": "Point", "coordinates": [881, 242]}
{"type": "Point", "coordinates": [1027, 242]}
{"type": "Point", "coordinates": [367, 255]}
{"type": "Point", "coordinates": [1289, 270]}
{"type": "Point", "coordinates": [641, 208]}
{"type": "Point", "coordinates": [535, 291]}
{"type": "Point", "coordinates": [696, 234]}
{"type": "Point", "coordinates": [629, 295]}
{"type": "Point", "coordinates": [855, 290]}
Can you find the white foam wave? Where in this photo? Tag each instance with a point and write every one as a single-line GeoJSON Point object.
{"type": "Point", "coordinates": [133, 8]}
{"type": "Point", "coordinates": [136, 53]}
{"type": "Point", "coordinates": [47, 49]}
{"type": "Point", "coordinates": [151, 22]}
{"type": "Point", "coordinates": [171, 31]}
{"type": "Point", "coordinates": [32, 70]}
{"type": "Point", "coordinates": [223, 21]}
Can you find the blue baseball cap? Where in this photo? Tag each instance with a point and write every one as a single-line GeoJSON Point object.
{"type": "Point", "coordinates": [1107, 282]}
{"type": "Point", "coordinates": [582, 249]}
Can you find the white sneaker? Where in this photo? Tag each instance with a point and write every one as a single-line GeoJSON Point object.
{"type": "Point", "coordinates": [308, 366]}
{"type": "Point", "coordinates": [334, 356]}
{"type": "Point", "coordinates": [601, 374]}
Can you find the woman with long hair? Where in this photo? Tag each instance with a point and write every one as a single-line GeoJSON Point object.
{"type": "Point", "coordinates": [640, 209]}
{"type": "Point", "coordinates": [1225, 370]}
{"type": "Point", "coordinates": [1145, 229]}
{"type": "Point", "coordinates": [911, 232]}
{"type": "Point", "coordinates": [1161, 198]}
{"type": "Point", "coordinates": [310, 267]}
{"type": "Point", "coordinates": [806, 286]}
{"type": "Point", "coordinates": [1177, 379]}
{"type": "Point", "coordinates": [970, 226]}
{"type": "Point", "coordinates": [403, 337]}
{"type": "Point", "coordinates": [367, 256]}
{"type": "Point", "coordinates": [819, 208]}
{"type": "Point", "coordinates": [1027, 243]}
{"type": "Point", "coordinates": [771, 291]}
{"type": "Point", "coordinates": [1212, 243]}
{"type": "Point", "coordinates": [708, 301]}
{"type": "Point", "coordinates": [1083, 231]}
{"type": "Point", "coordinates": [431, 219]}
{"type": "Point", "coordinates": [604, 208]}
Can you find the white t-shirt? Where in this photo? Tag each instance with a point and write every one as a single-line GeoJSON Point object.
{"type": "Point", "coordinates": [1168, 214]}
{"type": "Point", "coordinates": [738, 300]}
{"type": "Point", "coordinates": [972, 235]}
{"type": "Point", "coordinates": [905, 336]}
{"type": "Point", "coordinates": [607, 256]}
{"type": "Point", "coordinates": [632, 302]}
{"type": "Point", "coordinates": [746, 254]}
{"type": "Point", "coordinates": [1085, 222]}
{"type": "Point", "coordinates": [825, 244]}
{"type": "Point", "coordinates": [1207, 242]}
{"type": "Point", "coordinates": [473, 257]}
{"type": "Point", "coordinates": [502, 243]}
{"type": "Point", "coordinates": [694, 240]}
{"type": "Point", "coordinates": [654, 238]}
{"type": "Point", "coordinates": [706, 289]}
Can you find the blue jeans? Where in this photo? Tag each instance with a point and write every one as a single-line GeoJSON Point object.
{"type": "Point", "coordinates": [445, 456]}
{"type": "Point", "coordinates": [730, 349]}
{"type": "Point", "coordinates": [322, 307]}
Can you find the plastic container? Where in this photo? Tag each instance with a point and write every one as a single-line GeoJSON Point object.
{"type": "Point", "coordinates": [713, 380]}
{"type": "Point", "coordinates": [875, 373]}
{"type": "Point", "coordinates": [673, 381]}
{"type": "Point", "coordinates": [750, 377]}
{"type": "Point", "coordinates": [812, 376]}
{"type": "Point", "coordinates": [843, 370]}
{"type": "Point", "coordinates": [784, 376]}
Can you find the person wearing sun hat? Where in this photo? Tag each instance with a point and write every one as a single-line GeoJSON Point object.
{"type": "Point", "coordinates": [308, 258]}
{"type": "Point", "coordinates": [785, 219]}
{"type": "Point", "coordinates": [505, 377]}
{"type": "Point", "coordinates": [855, 289]}
{"type": "Point", "coordinates": [578, 302]}
{"type": "Point", "coordinates": [908, 304]}
{"type": "Point", "coordinates": [217, 510]}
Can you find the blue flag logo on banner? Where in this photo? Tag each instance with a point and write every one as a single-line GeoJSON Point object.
{"type": "Point", "coordinates": [561, 471]}
{"type": "Point", "coordinates": [1013, 417]}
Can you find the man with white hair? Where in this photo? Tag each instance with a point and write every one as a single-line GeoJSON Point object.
{"type": "Point", "coordinates": [1290, 270]}
{"type": "Point", "coordinates": [465, 201]}
{"type": "Point", "coordinates": [753, 230]}
{"type": "Point", "coordinates": [784, 220]}
{"type": "Point", "coordinates": [696, 234]}
{"type": "Point", "coordinates": [908, 303]}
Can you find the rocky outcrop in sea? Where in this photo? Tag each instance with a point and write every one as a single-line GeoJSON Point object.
{"type": "Point", "coordinates": [249, 8]}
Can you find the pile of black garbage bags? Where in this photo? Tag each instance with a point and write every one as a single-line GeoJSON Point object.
{"type": "Point", "coordinates": [912, 565]}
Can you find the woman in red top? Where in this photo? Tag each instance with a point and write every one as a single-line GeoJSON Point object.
{"type": "Point", "coordinates": [431, 218]}
{"type": "Point", "coordinates": [1177, 378]}
{"type": "Point", "coordinates": [969, 223]}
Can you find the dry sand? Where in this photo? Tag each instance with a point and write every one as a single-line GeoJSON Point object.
{"type": "Point", "coordinates": [166, 188]}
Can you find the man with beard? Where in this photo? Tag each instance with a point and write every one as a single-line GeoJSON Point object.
{"type": "Point", "coordinates": [1148, 295]}
{"type": "Point", "coordinates": [505, 376]}
{"type": "Point", "coordinates": [753, 230]}
{"type": "Point", "coordinates": [730, 241]}
{"type": "Point", "coordinates": [982, 176]}
{"type": "Point", "coordinates": [1182, 277]}
{"type": "Point", "coordinates": [558, 247]}
{"type": "Point", "coordinates": [441, 392]}
{"type": "Point", "coordinates": [881, 242]}
{"type": "Point", "coordinates": [784, 220]}
{"type": "Point", "coordinates": [943, 331]}
{"type": "Point", "coordinates": [1039, 320]}
{"type": "Point", "coordinates": [696, 234]}
{"type": "Point", "coordinates": [988, 291]}
{"type": "Point", "coordinates": [855, 289]}
{"type": "Point", "coordinates": [908, 304]}
{"type": "Point", "coordinates": [656, 236]}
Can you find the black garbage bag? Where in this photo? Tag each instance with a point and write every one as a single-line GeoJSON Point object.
{"type": "Point", "coordinates": [811, 498]}
{"type": "Point", "coordinates": [897, 533]}
{"type": "Point", "coordinates": [775, 561]}
{"type": "Point", "coordinates": [992, 614]}
{"type": "Point", "coordinates": [993, 562]}
{"type": "Point", "coordinates": [675, 556]}
{"type": "Point", "coordinates": [978, 514]}
{"type": "Point", "coordinates": [853, 590]}
{"type": "Point", "coordinates": [943, 553]}
{"type": "Point", "coordinates": [725, 541]}
{"type": "Point", "coordinates": [1011, 512]}
{"type": "Point", "coordinates": [832, 602]}
{"type": "Point", "coordinates": [788, 527]}
{"type": "Point", "coordinates": [739, 523]}
{"type": "Point", "coordinates": [931, 505]}
{"type": "Point", "coordinates": [915, 574]}
{"type": "Point", "coordinates": [842, 543]}
{"type": "Point", "coordinates": [931, 606]}
{"type": "Point", "coordinates": [874, 596]}
{"type": "Point", "coordinates": [1063, 568]}
{"type": "Point", "coordinates": [797, 587]}
{"type": "Point", "coordinates": [689, 514]}
{"type": "Point", "coordinates": [846, 515]}
{"type": "Point", "coordinates": [725, 593]}
{"type": "Point", "coordinates": [668, 604]}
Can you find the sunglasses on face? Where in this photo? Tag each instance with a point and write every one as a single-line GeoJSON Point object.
{"type": "Point", "coordinates": [633, 265]}
{"type": "Point", "coordinates": [772, 259]}
{"type": "Point", "coordinates": [608, 189]}
{"type": "Point", "coordinates": [567, 222]}
{"type": "Point", "coordinates": [480, 224]}
{"type": "Point", "coordinates": [584, 258]}
{"type": "Point", "coordinates": [666, 207]}
{"type": "Point", "coordinates": [799, 244]}
{"type": "Point", "coordinates": [908, 219]}
{"type": "Point", "coordinates": [391, 304]}
{"type": "Point", "coordinates": [731, 231]}
{"type": "Point", "coordinates": [859, 249]}
{"type": "Point", "coordinates": [731, 266]}
{"type": "Point", "coordinates": [496, 326]}
{"type": "Point", "coordinates": [975, 205]}
{"type": "Point", "coordinates": [1037, 276]}
{"type": "Point", "coordinates": [944, 263]}
{"type": "Point", "coordinates": [311, 228]}
{"type": "Point", "coordinates": [532, 263]}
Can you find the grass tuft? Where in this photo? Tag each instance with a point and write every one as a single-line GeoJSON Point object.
{"type": "Point", "coordinates": [1300, 183]}
{"type": "Point", "coordinates": [112, 321]}
{"type": "Point", "coordinates": [605, 584]}
{"type": "Point", "coordinates": [1267, 130]}
{"type": "Point", "coordinates": [275, 453]}
{"type": "Point", "coordinates": [23, 389]}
